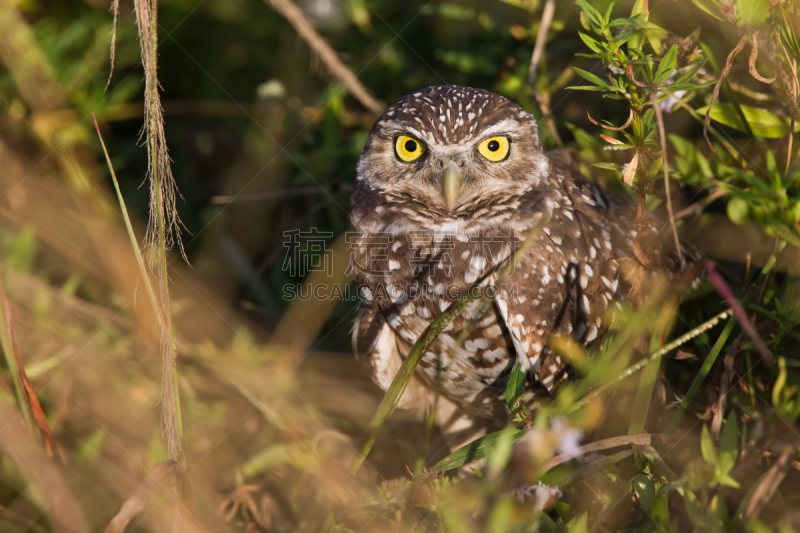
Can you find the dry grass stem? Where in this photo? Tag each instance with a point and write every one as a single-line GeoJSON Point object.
{"type": "Point", "coordinates": [46, 485]}
{"type": "Point", "coordinates": [29, 404]}
{"type": "Point", "coordinates": [157, 480]}
{"type": "Point", "coordinates": [164, 228]}
{"type": "Point", "coordinates": [541, 40]}
{"type": "Point", "coordinates": [716, 423]}
{"type": "Point", "coordinates": [115, 16]}
{"type": "Point", "coordinates": [320, 47]}
{"type": "Point", "coordinates": [769, 484]}
{"type": "Point", "coordinates": [752, 64]}
{"type": "Point", "coordinates": [640, 439]}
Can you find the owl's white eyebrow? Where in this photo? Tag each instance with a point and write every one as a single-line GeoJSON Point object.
{"type": "Point", "coordinates": [421, 135]}
{"type": "Point", "coordinates": [502, 126]}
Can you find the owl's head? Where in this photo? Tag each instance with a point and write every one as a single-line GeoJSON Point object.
{"type": "Point", "coordinates": [451, 149]}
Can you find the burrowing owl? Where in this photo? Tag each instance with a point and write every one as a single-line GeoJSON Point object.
{"type": "Point", "coordinates": [451, 181]}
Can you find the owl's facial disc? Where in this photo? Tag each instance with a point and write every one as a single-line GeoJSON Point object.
{"type": "Point", "coordinates": [450, 152]}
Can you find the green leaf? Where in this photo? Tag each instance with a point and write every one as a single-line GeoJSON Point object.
{"type": "Point", "coordinates": [737, 210]}
{"type": "Point", "coordinates": [607, 14]}
{"type": "Point", "coordinates": [608, 166]}
{"type": "Point", "coordinates": [478, 448]}
{"type": "Point", "coordinates": [729, 444]}
{"type": "Point", "coordinates": [265, 460]}
{"type": "Point", "coordinates": [592, 78]}
{"type": "Point", "coordinates": [780, 383]}
{"type": "Point", "coordinates": [586, 88]}
{"type": "Point", "coordinates": [515, 387]}
{"type": "Point", "coordinates": [645, 491]}
{"type": "Point", "coordinates": [763, 123]}
{"type": "Point", "coordinates": [637, 8]}
{"type": "Point", "coordinates": [728, 481]}
{"type": "Point", "coordinates": [707, 447]}
{"type": "Point", "coordinates": [591, 12]}
{"type": "Point", "coordinates": [753, 12]}
{"type": "Point", "coordinates": [498, 453]}
{"type": "Point", "coordinates": [582, 137]}
{"type": "Point", "coordinates": [667, 65]}
{"type": "Point", "coordinates": [711, 8]}
{"type": "Point", "coordinates": [591, 43]}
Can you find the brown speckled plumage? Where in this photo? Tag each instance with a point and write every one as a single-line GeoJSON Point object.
{"type": "Point", "coordinates": [416, 254]}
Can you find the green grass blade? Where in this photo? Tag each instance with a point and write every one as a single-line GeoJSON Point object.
{"type": "Point", "coordinates": [477, 449]}
{"type": "Point", "coordinates": [644, 392]}
{"type": "Point", "coordinates": [129, 227]}
{"type": "Point", "coordinates": [701, 375]}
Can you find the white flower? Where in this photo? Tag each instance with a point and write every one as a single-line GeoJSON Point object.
{"type": "Point", "coordinates": [669, 103]}
{"type": "Point", "coordinates": [568, 438]}
{"type": "Point", "coordinates": [540, 494]}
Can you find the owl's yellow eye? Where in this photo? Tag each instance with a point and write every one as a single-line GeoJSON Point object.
{"type": "Point", "coordinates": [494, 149]}
{"type": "Point", "coordinates": [408, 148]}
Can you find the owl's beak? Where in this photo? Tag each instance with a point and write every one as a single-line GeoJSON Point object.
{"type": "Point", "coordinates": [451, 184]}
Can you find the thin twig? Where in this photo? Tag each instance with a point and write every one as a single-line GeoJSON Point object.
{"type": "Point", "coordinates": [769, 484]}
{"type": "Point", "coordinates": [542, 97]}
{"type": "Point", "coordinates": [738, 310]}
{"type": "Point", "coordinates": [718, 86]}
{"type": "Point", "coordinates": [789, 147]}
{"type": "Point", "coordinates": [325, 53]}
{"type": "Point", "coordinates": [612, 128]}
{"type": "Point", "coordinates": [640, 439]}
{"type": "Point", "coordinates": [541, 40]}
{"type": "Point", "coordinates": [665, 166]}
{"type": "Point", "coordinates": [752, 64]}
{"type": "Point", "coordinates": [719, 192]}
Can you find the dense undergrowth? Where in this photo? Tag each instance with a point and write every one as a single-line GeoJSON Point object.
{"type": "Point", "coordinates": [688, 107]}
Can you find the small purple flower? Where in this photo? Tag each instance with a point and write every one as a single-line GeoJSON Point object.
{"type": "Point", "coordinates": [672, 99]}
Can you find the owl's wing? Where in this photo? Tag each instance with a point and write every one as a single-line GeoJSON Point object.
{"type": "Point", "coordinates": [376, 343]}
{"type": "Point", "coordinates": [563, 285]}
{"type": "Point", "coordinates": [547, 296]}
